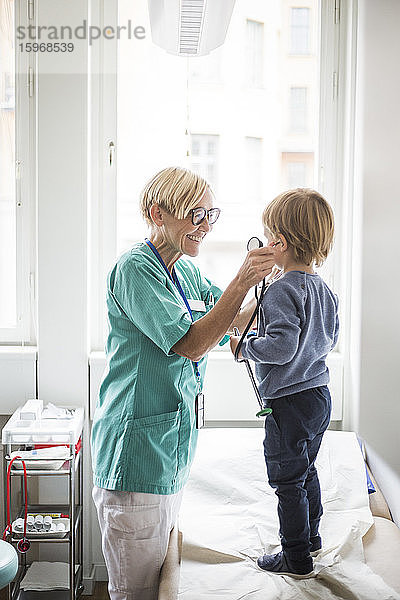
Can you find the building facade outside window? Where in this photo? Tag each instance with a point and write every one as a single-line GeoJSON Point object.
{"type": "Point", "coordinates": [298, 109]}
{"type": "Point", "coordinates": [205, 157]}
{"type": "Point", "coordinates": [297, 169]}
{"type": "Point", "coordinates": [254, 169]}
{"type": "Point", "coordinates": [207, 69]}
{"type": "Point", "coordinates": [296, 174]}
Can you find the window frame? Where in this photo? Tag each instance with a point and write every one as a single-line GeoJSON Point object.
{"type": "Point", "coordinates": [25, 190]}
{"type": "Point", "coordinates": [102, 178]}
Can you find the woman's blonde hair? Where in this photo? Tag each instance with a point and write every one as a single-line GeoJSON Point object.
{"type": "Point", "coordinates": [306, 221]}
{"type": "Point", "coordinates": [176, 189]}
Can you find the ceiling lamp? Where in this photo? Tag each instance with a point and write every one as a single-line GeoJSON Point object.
{"type": "Point", "coordinates": [189, 27]}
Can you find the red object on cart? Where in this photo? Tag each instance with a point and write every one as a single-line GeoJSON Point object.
{"type": "Point", "coordinates": [78, 446]}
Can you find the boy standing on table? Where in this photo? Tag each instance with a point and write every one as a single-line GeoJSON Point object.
{"type": "Point", "coordinates": [297, 328]}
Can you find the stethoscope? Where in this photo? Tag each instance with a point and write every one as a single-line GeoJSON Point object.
{"type": "Point", "coordinates": [24, 544]}
{"type": "Point", "coordinates": [252, 244]}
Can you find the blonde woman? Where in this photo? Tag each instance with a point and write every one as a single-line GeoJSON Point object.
{"type": "Point", "coordinates": [164, 317]}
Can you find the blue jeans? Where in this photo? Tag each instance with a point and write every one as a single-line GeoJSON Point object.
{"type": "Point", "coordinates": [293, 435]}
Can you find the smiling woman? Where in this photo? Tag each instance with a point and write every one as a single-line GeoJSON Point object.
{"type": "Point", "coordinates": [164, 317]}
{"type": "Point", "coordinates": [178, 206]}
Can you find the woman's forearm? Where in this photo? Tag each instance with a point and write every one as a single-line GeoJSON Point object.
{"type": "Point", "coordinates": [205, 333]}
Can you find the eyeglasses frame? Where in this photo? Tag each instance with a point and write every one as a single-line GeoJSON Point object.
{"type": "Point", "coordinates": [206, 213]}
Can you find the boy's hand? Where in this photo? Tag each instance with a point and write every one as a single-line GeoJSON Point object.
{"type": "Point", "coordinates": [234, 341]}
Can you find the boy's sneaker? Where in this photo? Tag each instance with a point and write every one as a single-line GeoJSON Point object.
{"type": "Point", "coordinates": [279, 564]}
{"type": "Point", "coordinates": [315, 545]}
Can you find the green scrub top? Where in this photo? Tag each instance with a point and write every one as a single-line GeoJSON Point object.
{"type": "Point", "coordinates": [144, 436]}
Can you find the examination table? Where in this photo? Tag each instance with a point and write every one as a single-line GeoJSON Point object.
{"type": "Point", "coordinates": [228, 517]}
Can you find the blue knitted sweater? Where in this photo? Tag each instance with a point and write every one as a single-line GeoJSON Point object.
{"type": "Point", "coordinates": [297, 327]}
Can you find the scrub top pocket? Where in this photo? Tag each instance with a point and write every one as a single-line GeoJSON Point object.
{"type": "Point", "coordinates": [154, 444]}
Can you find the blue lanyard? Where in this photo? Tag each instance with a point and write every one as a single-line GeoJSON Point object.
{"type": "Point", "coordinates": [175, 280]}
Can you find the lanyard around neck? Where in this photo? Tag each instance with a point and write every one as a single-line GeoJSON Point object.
{"type": "Point", "coordinates": [174, 278]}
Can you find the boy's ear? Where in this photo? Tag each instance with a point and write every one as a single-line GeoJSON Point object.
{"type": "Point", "coordinates": [283, 245]}
{"type": "Point", "coordinates": [156, 215]}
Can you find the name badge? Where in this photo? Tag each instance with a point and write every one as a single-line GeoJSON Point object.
{"type": "Point", "coordinates": [197, 305]}
{"type": "Point", "coordinates": [199, 410]}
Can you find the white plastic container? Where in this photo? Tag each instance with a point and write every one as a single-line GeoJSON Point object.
{"type": "Point", "coordinates": [43, 458]}
{"type": "Point", "coordinates": [43, 431]}
{"type": "Point", "coordinates": [31, 410]}
{"type": "Point", "coordinates": [58, 529]}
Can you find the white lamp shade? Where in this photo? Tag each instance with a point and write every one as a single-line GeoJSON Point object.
{"type": "Point", "coordinates": [189, 27]}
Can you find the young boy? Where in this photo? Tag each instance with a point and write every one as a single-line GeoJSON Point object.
{"type": "Point", "coordinates": [297, 327]}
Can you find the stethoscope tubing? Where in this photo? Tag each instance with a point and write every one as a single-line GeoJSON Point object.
{"type": "Point", "coordinates": [254, 242]}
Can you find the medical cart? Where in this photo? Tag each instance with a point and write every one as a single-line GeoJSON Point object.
{"type": "Point", "coordinates": [18, 435]}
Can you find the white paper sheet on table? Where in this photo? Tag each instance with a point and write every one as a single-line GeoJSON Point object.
{"type": "Point", "coordinates": [229, 517]}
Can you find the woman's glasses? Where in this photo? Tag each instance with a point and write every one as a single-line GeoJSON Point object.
{"type": "Point", "coordinates": [199, 214]}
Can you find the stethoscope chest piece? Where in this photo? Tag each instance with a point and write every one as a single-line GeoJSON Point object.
{"type": "Point", "coordinates": [23, 545]}
{"type": "Point", "coordinates": [264, 412]}
{"type": "Point", "coordinates": [254, 243]}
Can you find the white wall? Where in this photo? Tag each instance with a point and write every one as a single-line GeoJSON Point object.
{"type": "Point", "coordinates": [62, 230]}
{"type": "Point", "coordinates": [378, 160]}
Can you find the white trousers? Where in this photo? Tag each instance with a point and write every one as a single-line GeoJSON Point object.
{"type": "Point", "coordinates": [135, 530]}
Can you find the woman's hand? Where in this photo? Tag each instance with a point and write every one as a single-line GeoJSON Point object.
{"type": "Point", "coordinates": [257, 265]}
{"type": "Point", "coordinates": [206, 332]}
{"type": "Point", "coordinates": [234, 341]}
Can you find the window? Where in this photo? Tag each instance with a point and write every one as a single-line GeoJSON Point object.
{"type": "Point", "coordinates": [254, 53]}
{"type": "Point", "coordinates": [297, 169]}
{"type": "Point", "coordinates": [298, 109]}
{"type": "Point", "coordinates": [243, 140]}
{"type": "Point", "coordinates": [205, 157]}
{"type": "Point", "coordinates": [254, 174]}
{"type": "Point", "coordinates": [8, 242]}
{"type": "Point", "coordinates": [17, 180]}
{"type": "Point", "coordinates": [299, 30]}
{"type": "Point", "coordinates": [296, 174]}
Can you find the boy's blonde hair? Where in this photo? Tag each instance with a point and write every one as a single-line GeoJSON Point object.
{"type": "Point", "coordinates": [176, 189]}
{"type": "Point", "coordinates": [306, 221]}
